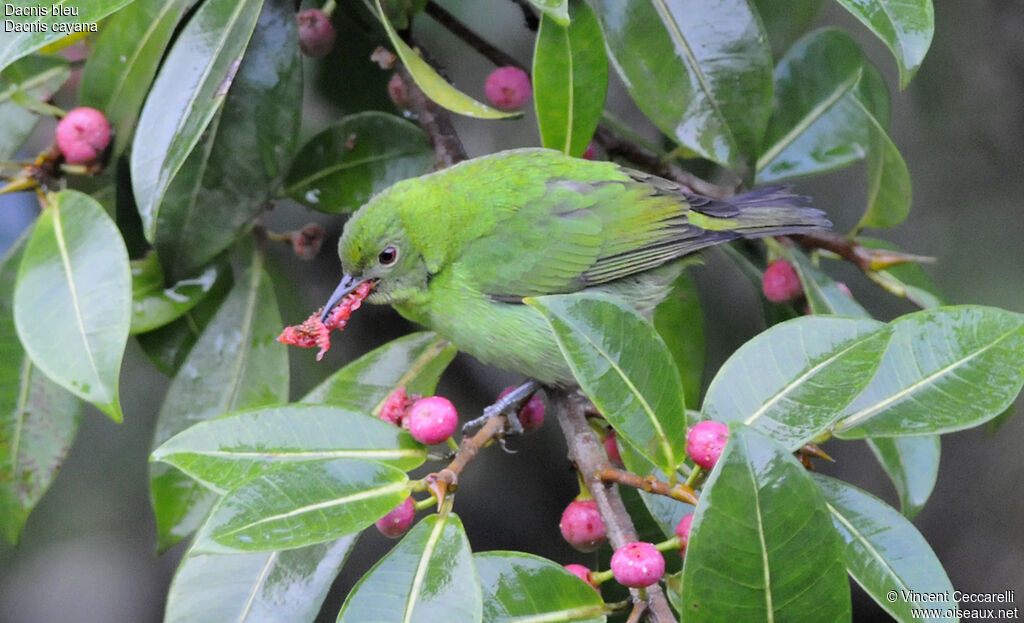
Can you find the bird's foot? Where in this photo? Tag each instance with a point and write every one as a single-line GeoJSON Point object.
{"type": "Point", "coordinates": [508, 406]}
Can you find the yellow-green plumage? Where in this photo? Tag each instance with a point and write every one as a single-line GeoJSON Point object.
{"type": "Point", "coordinates": [470, 242]}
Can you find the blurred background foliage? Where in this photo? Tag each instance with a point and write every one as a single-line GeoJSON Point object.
{"type": "Point", "coordinates": [87, 553]}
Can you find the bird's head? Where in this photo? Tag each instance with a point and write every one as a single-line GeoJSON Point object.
{"type": "Point", "coordinates": [375, 247]}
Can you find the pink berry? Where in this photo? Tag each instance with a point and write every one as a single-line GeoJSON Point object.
{"type": "Point", "coordinates": [395, 523]}
{"type": "Point", "coordinates": [508, 87]}
{"type": "Point", "coordinates": [611, 448]}
{"type": "Point", "coordinates": [307, 241]}
{"type": "Point", "coordinates": [399, 92]}
{"type": "Point", "coordinates": [591, 152]}
{"type": "Point", "coordinates": [637, 565]}
{"type": "Point", "coordinates": [705, 441]}
{"type": "Point", "coordinates": [82, 135]}
{"type": "Point", "coordinates": [316, 33]}
{"type": "Point", "coordinates": [531, 414]}
{"type": "Point", "coordinates": [432, 420]}
{"type": "Point", "coordinates": [395, 407]}
{"type": "Point", "coordinates": [781, 283]}
{"type": "Point", "coordinates": [582, 526]}
{"type": "Point", "coordinates": [584, 574]}
{"type": "Point", "coordinates": [683, 532]}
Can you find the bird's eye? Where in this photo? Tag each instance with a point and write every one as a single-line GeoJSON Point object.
{"type": "Point", "coordinates": [388, 256]}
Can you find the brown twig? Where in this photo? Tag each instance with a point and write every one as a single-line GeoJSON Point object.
{"type": "Point", "coordinates": [532, 21]}
{"type": "Point", "coordinates": [650, 484]}
{"type": "Point", "coordinates": [854, 252]}
{"type": "Point", "coordinates": [587, 452]}
{"type": "Point", "coordinates": [435, 121]}
{"type": "Point", "coordinates": [478, 43]}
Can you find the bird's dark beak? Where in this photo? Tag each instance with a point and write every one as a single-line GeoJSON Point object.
{"type": "Point", "coordinates": [348, 283]}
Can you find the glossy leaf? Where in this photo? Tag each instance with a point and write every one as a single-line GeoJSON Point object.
{"type": "Point", "coordinates": [905, 26]}
{"type": "Point", "coordinates": [679, 320]}
{"type": "Point", "coordinates": [414, 361]}
{"type": "Point", "coordinates": [235, 364]}
{"type": "Point", "coordinates": [884, 552]}
{"type": "Point", "coordinates": [518, 586]}
{"type": "Point", "coordinates": [762, 530]}
{"type": "Point", "coordinates": [123, 61]}
{"type": "Point", "coordinates": [912, 464]}
{"type": "Point", "coordinates": [51, 27]}
{"type": "Point", "coordinates": [908, 279]}
{"type": "Point", "coordinates": [785, 22]}
{"type": "Point", "coordinates": [558, 10]}
{"type": "Point", "coordinates": [36, 76]}
{"type": "Point", "coordinates": [350, 161]}
{"type": "Point", "coordinates": [299, 504]}
{"type": "Point", "coordinates": [72, 301]}
{"type": "Point", "coordinates": [261, 586]}
{"type": "Point", "coordinates": [429, 576]}
{"type": "Point", "coordinates": [889, 191]}
{"type": "Point", "coordinates": [188, 93]}
{"type": "Point", "coordinates": [153, 305]}
{"type": "Point", "coordinates": [570, 77]}
{"type": "Point", "coordinates": [239, 163]}
{"type": "Point", "coordinates": [823, 294]}
{"type": "Point", "coordinates": [433, 85]}
{"type": "Point", "coordinates": [38, 418]}
{"type": "Point", "coordinates": [794, 380]}
{"type": "Point", "coordinates": [623, 365]}
{"type": "Point", "coordinates": [701, 72]}
{"type": "Point", "coordinates": [946, 369]}
{"type": "Point", "coordinates": [227, 451]}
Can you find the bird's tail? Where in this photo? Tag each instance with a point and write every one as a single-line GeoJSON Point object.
{"type": "Point", "coordinates": [770, 211]}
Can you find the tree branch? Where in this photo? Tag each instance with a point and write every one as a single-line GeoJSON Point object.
{"type": "Point", "coordinates": [435, 121]}
{"type": "Point", "coordinates": [587, 452]}
{"type": "Point", "coordinates": [478, 43]}
{"type": "Point", "coordinates": [679, 491]}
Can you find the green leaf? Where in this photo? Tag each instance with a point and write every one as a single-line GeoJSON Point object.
{"type": "Point", "coordinates": [905, 26]}
{"type": "Point", "coordinates": [570, 78]}
{"type": "Point", "coordinates": [360, 155]}
{"type": "Point", "coordinates": [72, 301]}
{"type": "Point", "coordinates": [889, 191]}
{"type": "Point", "coordinates": [29, 33]}
{"type": "Point", "coordinates": [36, 76]}
{"type": "Point", "coordinates": [912, 464]}
{"type": "Point", "coordinates": [946, 369]}
{"type": "Point", "coordinates": [38, 418]}
{"type": "Point", "coordinates": [433, 85]}
{"type": "Point", "coordinates": [794, 380]}
{"type": "Point", "coordinates": [168, 346]}
{"type": "Point", "coordinates": [299, 504]}
{"type": "Point", "coordinates": [763, 532]}
{"type": "Point", "coordinates": [908, 278]}
{"type": "Point", "coordinates": [236, 364]}
{"type": "Point", "coordinates": [518, 586]}
{"type": "Point", "coordinates": [261, 586]}
{"type": "Point", "coordinates": [414, 361]}
{"type": "Point", "coordinates": [227, 451]}
{"type": "Point", "coordinates": [823, 294]}
{"type": "Point", "coordinates": [785, 22]}
{"type": "Point", "coordinates": [679, 320]}
{"type": "Point", "coordinates": [153, 305]}
{"type": "Point", "coordinates": [123, 60]}
{"type": "Point", "coordinates": [884, 552]}
{"type": "Point", "coordinates": [700, 72]}
{"type": "Point", "coordinates": [186, 96]}
{"type": "Point", "coordinates": [558, 10]}
{"type": "Point", "coordinates": [429, 576]}
{"type": "Point", "coordinates": [238, 166]}
{"type": "Point", "coordinates": [623, 365]}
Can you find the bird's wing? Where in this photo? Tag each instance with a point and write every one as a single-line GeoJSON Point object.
{"type": "Point", "coordinates": [579, 234]}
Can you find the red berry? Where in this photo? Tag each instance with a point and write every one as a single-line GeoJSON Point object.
{"type": "Point", "coordinates": [611, 448]}
{"type": "Point", "coordinates": [395, 523]}
{"type": "Point", "coordinates": [316, 33]}
{"type": "Point", "coordinates": [82, 135]}
{"type": "Point", "coordinates": [781, 283]}
{"type": "Point", "coordinates": [508, 88]}
{"type": "Point", "coordinates": [591, 152]}
{"type": "Point", "coordinates": [582, 526]}
{"type": "Point", "coordinates": [432, 420]}
{"type": "Point", "coordinates": [683, 532]}
{"type": "Point", "coordinates": [531, 414]}
{"type": "Point", "coordinates": [705, 441]}
{"type": "Point", "coordinates": [637, 565]}
{"type": "Point", "coordinates": [395, 407]}
{"type": "Point", "coordinates": [584, 574]}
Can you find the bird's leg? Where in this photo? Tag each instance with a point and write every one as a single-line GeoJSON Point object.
{"type": "Point", "coordinates": [507, 406]}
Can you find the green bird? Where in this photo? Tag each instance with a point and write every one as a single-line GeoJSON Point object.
{"type": "Point", "coordinates": [459, 249]}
